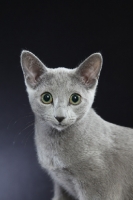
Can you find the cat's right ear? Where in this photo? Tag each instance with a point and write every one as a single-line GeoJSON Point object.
{"type": "Point", "coordinates": [32, 68]}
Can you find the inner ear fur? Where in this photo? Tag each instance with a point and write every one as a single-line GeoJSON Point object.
{"type": "Point", "coordinates": [32, 68]}
{"type": "Point", "coordinates": [89, 69]}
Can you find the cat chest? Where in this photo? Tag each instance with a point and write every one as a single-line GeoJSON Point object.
{"type": "Point", "coordinates": [64, 178]}
{"type": "Point", "coordinates": [51, 156]}
{"type": "Point", "coordinates": [58, 168]}
{"type": "Point", "coordinates": [50, 159]}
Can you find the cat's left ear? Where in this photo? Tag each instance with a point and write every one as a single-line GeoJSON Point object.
{"type": "Point", "coordinates": [89, 69]}
{"type": "Point", "coordinates": [32, 68]}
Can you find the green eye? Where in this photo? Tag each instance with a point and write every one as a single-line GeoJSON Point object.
{"type": "Point", "coordinates": [46, 98]}
{"type": "Point", "coordinates": [75, 99]}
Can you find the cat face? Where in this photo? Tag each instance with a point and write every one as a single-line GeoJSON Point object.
{"type": "Point", "coordinates": [60, 97]}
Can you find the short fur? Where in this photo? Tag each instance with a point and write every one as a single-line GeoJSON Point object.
{"type": "Point", "coordinates": [87, 157]}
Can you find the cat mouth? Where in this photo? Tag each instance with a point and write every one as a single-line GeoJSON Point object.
{"type": "Point", "coordinates": [60, 126]}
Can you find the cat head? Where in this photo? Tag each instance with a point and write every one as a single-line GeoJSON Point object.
{"type": "Point", "coordinates": [60, 97]}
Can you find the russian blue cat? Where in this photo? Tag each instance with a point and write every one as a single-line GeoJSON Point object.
{"type": "Point", "coordinates": [87, 157]}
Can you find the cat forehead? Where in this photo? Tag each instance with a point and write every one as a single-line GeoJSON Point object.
{"type": "Point", "coordinates": [60, 81]}
{"type": "Point", "coordinates": [59, 75]}
{"type": "Point", "coordinates": [61, 71]}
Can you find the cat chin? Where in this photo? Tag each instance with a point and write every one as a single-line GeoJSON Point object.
{"type": "Point", "coordinates": [59, 127]}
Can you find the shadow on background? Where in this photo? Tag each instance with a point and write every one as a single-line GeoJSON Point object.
{"type": "Point", "coordinates": [60, 34]}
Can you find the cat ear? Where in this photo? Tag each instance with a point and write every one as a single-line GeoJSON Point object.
{"type": "Point", "coordinates": [89, 69]}
{"type": "Point", "coordinates": [32, 68]}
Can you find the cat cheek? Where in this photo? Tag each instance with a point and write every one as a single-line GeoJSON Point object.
{"type": "Point", "coordinates": [72, 117]}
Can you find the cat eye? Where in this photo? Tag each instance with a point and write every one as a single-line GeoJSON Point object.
{"type": "Point", "coordinates": [75, 99]}
{"type": "Point", "coordinates": [46, 98]}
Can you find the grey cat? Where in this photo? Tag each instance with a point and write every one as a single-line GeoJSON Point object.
{"type": "Point", "coordinates": [87, 157]}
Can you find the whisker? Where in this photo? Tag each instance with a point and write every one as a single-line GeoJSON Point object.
{"type": "Point", "coordinates": [29, 135]}
{"type": "Point", "coordinates": [22, 118]}
{"type": "Point", "coordinates": [26, 128]}
{"type": "Point", "coordinates": [18, 119]}
{"type": "Point", "coordinates": [16, 137]}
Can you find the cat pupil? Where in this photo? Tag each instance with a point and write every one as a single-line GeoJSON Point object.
{"type": "Point", "coordinates": [46, 97]}
{"type": "Point", "coordinates": [75, 98]}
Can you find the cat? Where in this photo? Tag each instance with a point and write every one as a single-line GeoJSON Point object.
{"type": "Point", "coordinates": [87, 157]}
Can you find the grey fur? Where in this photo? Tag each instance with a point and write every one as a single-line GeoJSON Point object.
{"type": "Point", "coordinates": [87, 157]}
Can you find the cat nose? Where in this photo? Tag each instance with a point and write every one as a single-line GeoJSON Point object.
{"type": "Point", "coordinates": [59, 119]}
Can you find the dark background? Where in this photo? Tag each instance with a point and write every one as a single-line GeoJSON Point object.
{"type": "Point", "coordinates": [60, 33]}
